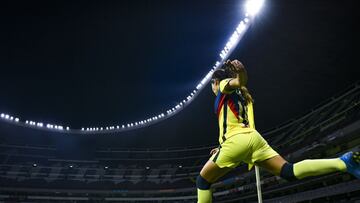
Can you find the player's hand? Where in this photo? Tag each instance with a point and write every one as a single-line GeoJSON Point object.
{"type": "Point", "coordinates": [214, 151]}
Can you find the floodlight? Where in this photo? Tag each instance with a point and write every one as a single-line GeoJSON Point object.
{"type": "Point", "coordinates": [253, 6]}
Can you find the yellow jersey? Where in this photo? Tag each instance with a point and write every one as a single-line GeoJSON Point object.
{"type": "Point", "coordinates": [234, 114]}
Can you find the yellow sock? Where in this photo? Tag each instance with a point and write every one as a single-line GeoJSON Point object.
{"type": "Point", "coordinates": [204, 196]}
{"type": "Point", "coordinates": [315, 167]}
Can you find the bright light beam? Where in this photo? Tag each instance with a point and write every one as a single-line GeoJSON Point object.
{"type": "Point", "coordinates": [253, 6]}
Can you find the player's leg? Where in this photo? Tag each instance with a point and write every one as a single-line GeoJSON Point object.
{"type": "Point", "coordinates": [313, 167]}
{"type": "Point", "coordinates": [234, 150]}
{"type": "Point", "coordinates": [264, 156]}
{"type": "Point", "coordinates": [273, 165]}
{"type": "Point", "coordinates": [210, 173]}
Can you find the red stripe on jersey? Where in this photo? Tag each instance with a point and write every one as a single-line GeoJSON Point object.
{"type": "Point", "coordinates": [233, 108]}
{"type": "Point", "coordinates": [221, 104]}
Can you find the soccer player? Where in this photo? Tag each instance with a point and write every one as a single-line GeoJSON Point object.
{"type": "Point", "coordinates": [240, 142]}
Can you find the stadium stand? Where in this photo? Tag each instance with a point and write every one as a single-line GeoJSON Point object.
{"type": "Point", "coordinates": [40, 173]}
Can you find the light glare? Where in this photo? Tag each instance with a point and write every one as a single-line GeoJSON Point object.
{"type": "Point", "coordinates": [253, 6]}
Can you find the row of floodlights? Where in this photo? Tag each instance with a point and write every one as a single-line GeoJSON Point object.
{"type": "Point", "coordinates": [135, 124]}
{"type": "Point", "coordinates": [251, 7]}
{"type": "Point", "coordinates": [105, 167]}
{"type": "Point", "coordinates": [107, 128]}
{"type": "Point", "coordinates": [147, 121]}
{"type": "Point", "coordinates": [9, 118]}
{"type": "Point", "coordinates": [32, 123]}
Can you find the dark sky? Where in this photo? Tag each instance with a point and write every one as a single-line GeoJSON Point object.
{"type": "Point", "coordinates": [101, 63]}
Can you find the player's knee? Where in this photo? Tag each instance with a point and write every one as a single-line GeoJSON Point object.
{"type": "Point", "coordinates": [202, 184]}
{"type": "Point", "coordinates": [287, 172]}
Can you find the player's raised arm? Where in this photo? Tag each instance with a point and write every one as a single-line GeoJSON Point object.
{"type": "Point", "coordinates": [238, 75]}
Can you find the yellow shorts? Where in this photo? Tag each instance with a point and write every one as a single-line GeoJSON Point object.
{"type": "Point", "coordinates": [249, 147]}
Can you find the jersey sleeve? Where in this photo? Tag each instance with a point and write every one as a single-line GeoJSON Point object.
{"type": "Point", "coordinates": [223, 86]}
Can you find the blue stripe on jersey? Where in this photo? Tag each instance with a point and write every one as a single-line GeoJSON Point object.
{"type": "Point", "coordinates": [217, 101]}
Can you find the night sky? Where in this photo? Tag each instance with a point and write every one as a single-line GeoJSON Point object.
{"type": "Point", "coordinates": [102, 63]}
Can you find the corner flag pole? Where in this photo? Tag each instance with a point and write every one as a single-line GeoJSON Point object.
{"type": "Point", "coordinates": [258, 184]}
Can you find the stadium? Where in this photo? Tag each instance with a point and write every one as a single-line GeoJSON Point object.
{"type": "Point", "coordinates": [84, 120]}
